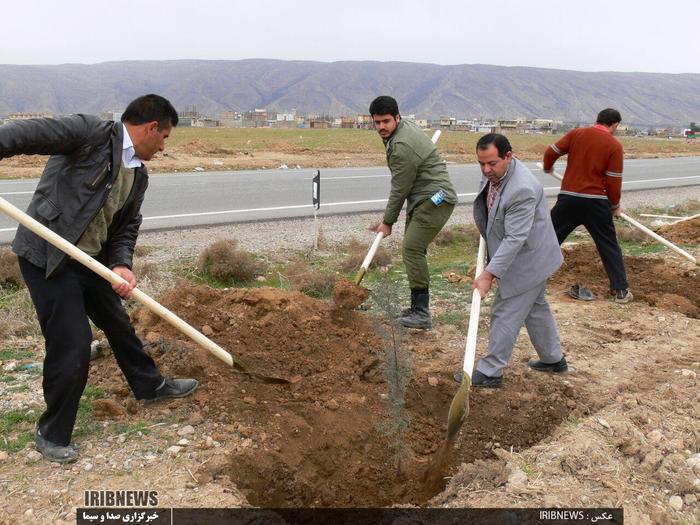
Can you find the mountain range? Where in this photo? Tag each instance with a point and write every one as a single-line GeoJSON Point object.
{"type": "Point", "coordinates": [346, 88]}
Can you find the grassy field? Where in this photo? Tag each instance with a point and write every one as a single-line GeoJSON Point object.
{"type": "Point", "coordinates": [219, 149]}
{"type": "Point", "coordinates": [357, 140]}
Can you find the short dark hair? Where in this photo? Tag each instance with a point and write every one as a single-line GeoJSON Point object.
{"type": "Point", "coordinates": [608, 117]}
{"type": "Point", "coordinates": [384, 105]}
{"type": "Point", "coordinates": [500, 141]}
{"type": "Point", "coordinates": [149, 108]}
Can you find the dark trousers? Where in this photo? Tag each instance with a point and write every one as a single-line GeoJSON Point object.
{"type": "Point", "coordinates": [596, 216]}
{"type": "Point", "coordinates": [63, 304]}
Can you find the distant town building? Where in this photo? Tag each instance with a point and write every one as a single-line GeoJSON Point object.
{"type": "Point", "coordinates": [230, 119]}
{"type": "Point", "coordinates": [320, 123]}
{"type": "Point", "coordinates": [205, 122]}
{"type": "Point", "coordinates": [258, 118]}
{"type": "Point", "coordinates": [507, 126]}
{"type": "Point", "coordinates": [447, 122]}
{"type": "Point", "coordinates": [286, 117]}
{"type": "Point", "coordinates": [28, 115]}
{"type": "Point", "coordinates": [365, 122]}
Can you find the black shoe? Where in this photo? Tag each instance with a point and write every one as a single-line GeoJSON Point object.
{"type": "Point", "coordinates": [623, 296]}
{"type": "Point", "coordinates": [53, 452]}
{"type": "Point", "coordinates": [560, 367]}
{"type": "Point", "coordinates": [480, 380]}
{"type": "Point", "coordinates": [173, 388]}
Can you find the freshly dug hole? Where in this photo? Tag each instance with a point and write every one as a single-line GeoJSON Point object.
{"type": "Point", "coordinates": [322, 440]}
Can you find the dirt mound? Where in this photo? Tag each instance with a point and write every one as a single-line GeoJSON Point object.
{"type": "Point", "coordinates": [347, 295]}
{"type": "Point", "coordinates": [322, 440]}
{"type": "Point", "coordinates": [686, 232]}
{"type": "Point", "coordinates": [201, 147]}
{"type": "Point", "coordinates": [664, 283]}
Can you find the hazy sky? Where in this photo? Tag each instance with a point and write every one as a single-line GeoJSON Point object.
{"type": "Point", "coordinates": [587, 35]}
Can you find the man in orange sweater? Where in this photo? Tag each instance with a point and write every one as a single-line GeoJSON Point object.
{"type": "Point", "coordinates": [590, 192]}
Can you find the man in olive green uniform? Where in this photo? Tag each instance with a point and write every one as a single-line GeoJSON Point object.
{"type": "Point", "coordinates": [419, 177]}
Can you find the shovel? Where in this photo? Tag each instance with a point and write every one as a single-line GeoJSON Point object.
{"type": "Point", "coordinates": [154, 306]}
{"type": "Point", "coordinates": [459, 409]}
{"type": "Point", "coordinates": [375, 245]}
{"type": "Point", "coordinates": [641, 227]}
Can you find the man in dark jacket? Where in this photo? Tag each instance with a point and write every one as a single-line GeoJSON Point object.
{"type": "Point", "coordinates": [90, 194]}
{"type": "Point", "coordinates": [418, 177]}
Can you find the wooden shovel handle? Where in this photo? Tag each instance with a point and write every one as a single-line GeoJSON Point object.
{"type": "Point", "coordinates": [100, 269]}
{"type": "Point", "coordinates": [473, 327]}
{"type": "Point", "coordinates": [372, 251]}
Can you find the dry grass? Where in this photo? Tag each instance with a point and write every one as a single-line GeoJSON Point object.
{"type": "Point", "coordinates": [147, 270]}
{"type": "Point", "coordinates": [687, 208]}
{"type": "Point", "coordinates": [627, 232]}
{"type": "Point", "coordinates": [17, 314]}
{"type": "Point", "coordinates": [455, 234]}
{"type": "Point", "coordinates": [141, 250]}
{"type": "Point", "coordinates": [356, 253]}
{"type": "Point", "coordinates": [308, 281]}
{"type": "Point", "coordinates": [9, 269]}
{"type": "Point", "coordinates": [224, 262]}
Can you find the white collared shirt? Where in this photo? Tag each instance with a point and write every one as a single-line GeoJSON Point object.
{"type": "Point", "coordinates": [129, 157]}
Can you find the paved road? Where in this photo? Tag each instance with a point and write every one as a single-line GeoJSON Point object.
{"type": "Point", "coordinates": [195, 199]}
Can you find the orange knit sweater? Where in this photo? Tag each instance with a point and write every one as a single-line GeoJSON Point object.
{"type": "Point", "coordinates": [594, 166]}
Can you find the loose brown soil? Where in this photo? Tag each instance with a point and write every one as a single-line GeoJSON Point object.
{"type": "Point", "coordinates": [348, 295]}
{"type": "Point", "coordinates": [621, 429]}
{"type": "Point", "coordinates": [667, 283]}
{"type": "Point", "coordinates": [322, 438]}
{"type": "Point", "coordinates": [685, 232]}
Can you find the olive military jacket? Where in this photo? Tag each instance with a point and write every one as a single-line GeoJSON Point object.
{"type": "Point", "coordinates": [417, 170]}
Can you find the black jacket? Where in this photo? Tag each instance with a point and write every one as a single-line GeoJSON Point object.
{"type": "Point", "coordinates": [86, 155]}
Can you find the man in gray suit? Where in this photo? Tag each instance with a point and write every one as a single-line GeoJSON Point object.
{"type": "Point", "coordinates": [511, 213]}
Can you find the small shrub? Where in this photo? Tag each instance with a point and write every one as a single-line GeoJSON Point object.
{"type": "Point", "coordinates": [146, 270]}
{"type": "Point", "coordinates": [689, 207]}
{"type": "Point", "coordinates": [141, 250]}
{"type": "Point", "coordinates": [357, 252]}
{"type": "Point", "coordinates": [223, 261]}
{"type": "Point", "coordinates": [305, 280]}
{"type": "Point", "coordinates": [321, 241]}
{"type": "Point", "coordinates": [397, 366]}
{"type": "Point", "coordinates": [9, 269]}
{"type": "Point", "coordinates": [628, 233]}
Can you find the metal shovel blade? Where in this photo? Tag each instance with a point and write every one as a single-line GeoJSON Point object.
{"type": "Point", "coordinates": [459, 409]}
{"type": "Point", "coordinates": [360, 274]}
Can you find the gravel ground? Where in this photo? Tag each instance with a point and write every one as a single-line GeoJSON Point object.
{"type": "Point", "coordinates": [267, 237]}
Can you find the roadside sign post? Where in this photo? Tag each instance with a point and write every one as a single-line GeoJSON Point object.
{"type": "Point", "coordinates": [316, 202]}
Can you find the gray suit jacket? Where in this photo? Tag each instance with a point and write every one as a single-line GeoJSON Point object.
{"type": "Point", "coordinates": [523, 249]}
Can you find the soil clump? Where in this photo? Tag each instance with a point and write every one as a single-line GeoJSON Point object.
{"type": "Point", "coordinates": [348, 295]}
